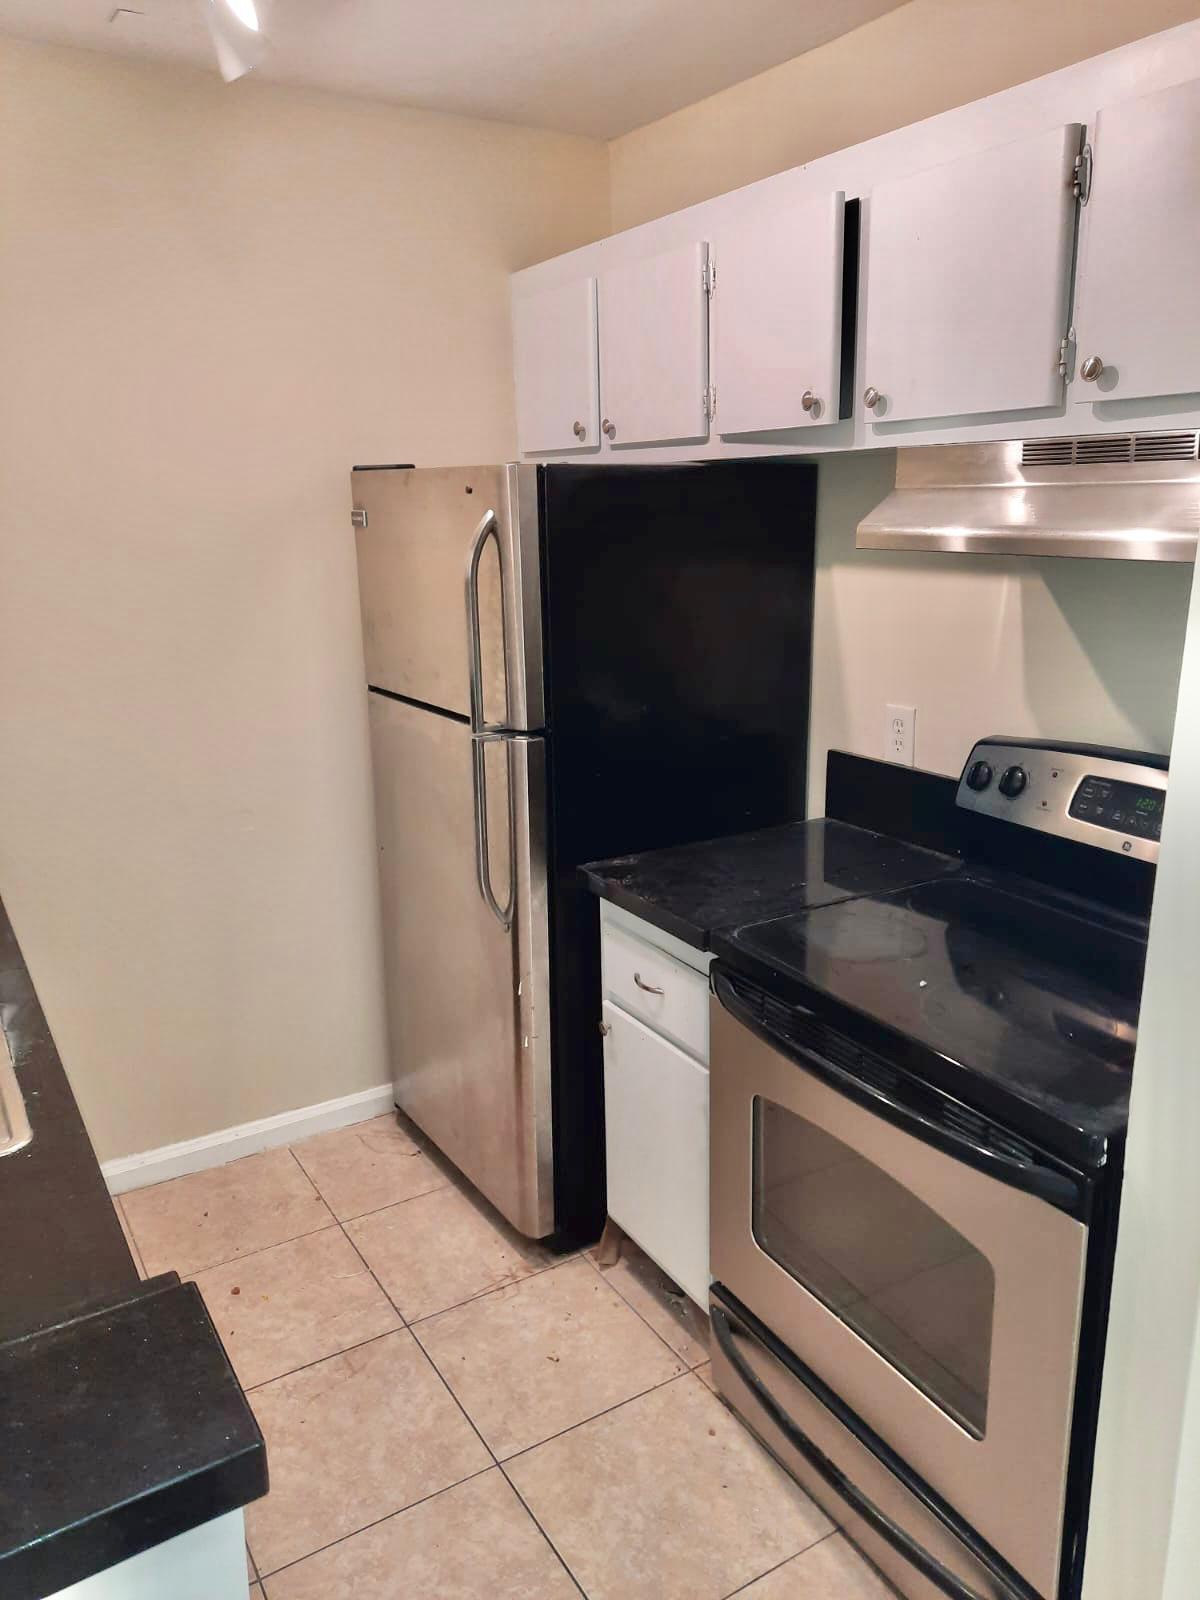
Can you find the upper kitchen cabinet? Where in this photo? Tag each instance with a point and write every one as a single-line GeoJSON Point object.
{"type": "Point", "coordinates": [654, 348]}
{"type": "Point", "coordinates": [555, 365]}
{"type": "Point", "coordinates": [777, 315]}
{"type": "Point", "coordinates": [967, 279]}
{"type": "Point", "coordinates": [1137, 309]}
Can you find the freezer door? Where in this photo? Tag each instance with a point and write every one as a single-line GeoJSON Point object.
{"type": "Point", "coordinates": [429, 534]}
{"type": "Point", "coordinates": [465, 946]}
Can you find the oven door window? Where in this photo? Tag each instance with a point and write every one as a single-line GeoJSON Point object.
{"type": "Point", "coordinates": [890, 1267]}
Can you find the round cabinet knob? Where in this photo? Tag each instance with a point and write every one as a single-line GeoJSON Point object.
{"type": "Point", "coordinates": [871, 398]}
{"type": "Point", "coordinates": [1013, 781]}
{"type": "Point", "coordinates": [809, 401]}
{"type": "Point", "coordinates": [979, 776]}
{"type": "Point", "coordinates": [1091, 369]}
{"type": "Point", "coordinates": [579, 430]}
{"type": "Point", "coordinates": [607, 428]}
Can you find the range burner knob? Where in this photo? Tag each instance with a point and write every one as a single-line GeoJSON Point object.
{"type": "Point", "coordinates": [1013, 781]}
{"type": "Point", "coordinates": [979, 776]}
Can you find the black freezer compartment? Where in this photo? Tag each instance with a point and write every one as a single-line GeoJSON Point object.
{"type": "Point", "coordinates": [677, 636]}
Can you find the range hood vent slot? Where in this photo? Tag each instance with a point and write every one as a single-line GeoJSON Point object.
{"type": "Point", "coordinates": [1048, 452]}
{"type": "Point", "coordinates": [1113, 447]}
{"type": "Point", "coordinates": [1116, 497]}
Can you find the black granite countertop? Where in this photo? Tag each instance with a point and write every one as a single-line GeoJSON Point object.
{"type": "Point", "coordinates": [121, 1421]}
{"type": "Point", "coordinates": [61, 1245]}
{"type": "Point", "coordinates": [693, 891]}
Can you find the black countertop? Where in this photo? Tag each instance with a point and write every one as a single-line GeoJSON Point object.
{"type": "Point", "coordinates": [61, 1245]}
{"type": "Point", "coordinates": [695, 890]}
{"type": "Point", "coordinates": [121, 1421]}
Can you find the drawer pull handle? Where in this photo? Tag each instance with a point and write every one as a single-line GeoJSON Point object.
{"type": "Point", "coordinates": [650, 988]}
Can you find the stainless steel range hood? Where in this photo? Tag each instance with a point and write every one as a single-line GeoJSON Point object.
{"type": "Point", "coordinates": [1123, 497]}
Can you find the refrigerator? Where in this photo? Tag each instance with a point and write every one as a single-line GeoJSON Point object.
{"type": "Point", "coordinates": [563, 663]}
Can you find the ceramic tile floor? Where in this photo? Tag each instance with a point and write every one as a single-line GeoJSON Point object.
{"type": "Point", "coordinates": [452, 1413]}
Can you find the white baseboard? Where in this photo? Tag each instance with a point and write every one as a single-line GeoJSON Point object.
{"type": "Point", "coordinates": [227, 1144]}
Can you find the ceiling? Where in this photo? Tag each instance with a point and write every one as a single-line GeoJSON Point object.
{"type": "Point", "coordinates": [597, 67]}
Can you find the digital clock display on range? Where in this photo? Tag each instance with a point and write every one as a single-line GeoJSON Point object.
{"type": "Point", "coordinates": [1131, 808]}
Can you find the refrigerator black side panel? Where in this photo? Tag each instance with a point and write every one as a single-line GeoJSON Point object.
{"type": "Point", "coordinates": [678, 640]}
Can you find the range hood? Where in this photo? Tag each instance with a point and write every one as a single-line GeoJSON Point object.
{"type": "Point", "coordinates": [1123, 497]}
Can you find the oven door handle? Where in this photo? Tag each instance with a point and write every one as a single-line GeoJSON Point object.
{"type": "Point", "coordinates": [1056, 1188]}
{"type": "Point", "coordinates": [878, 1521]}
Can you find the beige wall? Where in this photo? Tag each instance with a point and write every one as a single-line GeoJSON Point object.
{"type": "Point", "coordinates": [923, 58]}
{"type": "Point", "coordinates": [212, 301]}
{"type": "Point", "coordinates": [1084, 650]}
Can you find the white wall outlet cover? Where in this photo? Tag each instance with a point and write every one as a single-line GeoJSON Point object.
{"type": "Point", "coordinates": [900, 734]}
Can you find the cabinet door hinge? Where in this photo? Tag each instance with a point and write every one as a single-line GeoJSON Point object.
{"type": "Point", "coordinates": [710, 402]}
{"type": "Point", "coordinates": [358, 517]}
{"type": "Point", "coordinates": [708, 277]}
{"type": "Point", "coordinates": [1066, 354]}
{"type": "Point", "coordinates": [1082, 187]}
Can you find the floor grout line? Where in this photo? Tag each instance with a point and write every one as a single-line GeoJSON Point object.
{"type": "Point", "coordinates": [394, 1205]}
{"type": "Point", "coordinates": [135, 1249]}
{"type": "Point", "coordinates": [376, 1522]}
{"type": "Point", "coordinates": [305, 1366]}
{"type": "Point", "coordinates": [795, 1555]}
{"type": "Point", "coordinates": [498, 1288]}
{"type": "Point", "coordinates": [596, 1415]}
{"type": "Point", "coordinates": [236, 1261]}
{"type": "Point", "coordinates": [532, 1517]}
{"type": "Point", "coordinates": [374, 1276]}
{"type": "Point", "coordinates": [599, 1271]}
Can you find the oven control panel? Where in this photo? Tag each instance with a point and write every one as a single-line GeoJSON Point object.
{"type": "Point", "coordinates": [1113, 799]}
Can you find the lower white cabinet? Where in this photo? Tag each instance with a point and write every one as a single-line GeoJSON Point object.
{"type": "Point", "coordinates": [656, 1133]}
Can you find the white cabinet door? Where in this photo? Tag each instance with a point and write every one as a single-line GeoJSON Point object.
{"type": "Point", "coordinates": [654, 348]}
{"type": "Point", "coordinates": [556, 368]}
{"type": "Point", "coordinates": [777, 316]}
{"type": "Point", "coordinates": [656, 1142]}
{"type": "Point", "coordinates": [968, 271]}
{"type": "Point", "coordinates": [1137, 300]}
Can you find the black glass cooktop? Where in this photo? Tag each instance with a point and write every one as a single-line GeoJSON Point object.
{"type": "Point", "coordinates": [1020, 1003]}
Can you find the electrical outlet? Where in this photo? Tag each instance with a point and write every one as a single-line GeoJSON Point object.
{"type": "Point", "coordinates": [900, 734]}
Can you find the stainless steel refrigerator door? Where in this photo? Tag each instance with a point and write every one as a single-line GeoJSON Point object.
{"type": "Point", "coordinates": [467, 984]}
{"type": "Point", "coordinates": [423, 525]}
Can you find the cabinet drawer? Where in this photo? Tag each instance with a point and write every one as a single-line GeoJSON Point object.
{"type": "Point", "coordinates": [656, 1148]}
{"type": "Point", "coordinates": [652, 985]}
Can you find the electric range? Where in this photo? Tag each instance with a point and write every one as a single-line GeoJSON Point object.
{"type": "Point", "coordinates": [918, 1109]}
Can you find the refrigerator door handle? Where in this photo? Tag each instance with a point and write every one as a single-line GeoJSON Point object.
{"type": "Point", "coordinates": [488, 529]}
{"type": "Point", "coordinates": [483, 861]}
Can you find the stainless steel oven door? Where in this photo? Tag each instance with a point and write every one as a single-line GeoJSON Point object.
{"type": "Point", "coordinates": [918, 1542]}
{"type": "Point", "coordinates": [940, 1303]}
